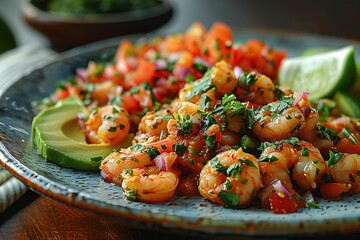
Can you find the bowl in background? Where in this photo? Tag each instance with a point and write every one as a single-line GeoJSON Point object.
{"type": "Point", "coordinates": [65, 32]}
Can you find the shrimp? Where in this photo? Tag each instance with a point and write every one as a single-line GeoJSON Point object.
{"type": "Point", "coordinates": [302, 157]}
{"type": "Point", "coordinates": [261, 86]}
{"type": "Point", "coordinates": [345, 168]}
{"type": "Point", "coordinates": [310, 167]}
{"type": "Point", "coordinates": [108, 124]}
{"type": "Point", "coordinates": [222, 77]}
{"type": "Point", "coordinates": [231, 179]}
{"type": "Point", "coordinates": [116, 162]}
{"type": "Point", "coordinates": [155, 123]}
{"type": "Point", "coordinates": [277, 121]}
{"type": "Point", "coordinates": [148, 184]}
{"type": "Point", "coordinates": [314, 133]}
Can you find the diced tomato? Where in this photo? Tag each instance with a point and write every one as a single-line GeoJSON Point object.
{"type": "Point", "coordinates": [346, 146]}
{"type": "Point", "coordinates": [194, 38]}
{"type": "Point", "coordinates": [221, 32]}
{"type": "Point", "coordinates": [125, 49]}
{"type": "Point", "coordinates": [333, 191]}
{"type": "Point", "coordinates": [174, 43]}
{"type": "Point", "coordinates": [112, 74]}
{"type": "Point", "coordinates": [62, 94]}
{"type": "Point", "coordinates": [95, 72]}
{"type": "Point", "coordinates": [282, 204]}
{"type": "Point", "coordinates": [130, 104]}
{"type": "Point", "coordinates": [164, 145]}
{"type": "Point", "coordinates": [144, 72]}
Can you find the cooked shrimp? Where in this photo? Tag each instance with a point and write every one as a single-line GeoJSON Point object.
{"type": "Point", "coordinates": [307, 162]}
{"type": "Point", "coordinates": [339, 123]}
{"type": "Point", "coordinates": [104, 91]}
{"type": "Point", "coordinates": [345, 168]}
{"type": "Point", "coordinates": [108, 124]}
{"type": "Point", "coordinates": [311, 132]}
{"type": "Point", "coordinates": [222, 77]}
{"type": "Point", "coordinates": [155, 123]}
{"type": "Point", "coordinates": [116, 162]}
{"type": "Point", "coordinates": [231, 179]}
{"type": "Point", "coordinates": [310, 167]}
{"type": "Point", "coordinates": [261, 86]}
{"type": "Point", "coordinates": [277, 121]}
{"type": "Point", "coordinates": [148, 184]}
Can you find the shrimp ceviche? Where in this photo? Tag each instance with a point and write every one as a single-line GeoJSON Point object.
{"type": "Point", "coordinates": [209, 118]}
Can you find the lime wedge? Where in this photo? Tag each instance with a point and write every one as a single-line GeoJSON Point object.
{"type": "Point", "coordinates": [320, 74]}
{"type": "Point", "coordinates": [348, 103]}
{"type": "Point", "coordinates": [315, 50]}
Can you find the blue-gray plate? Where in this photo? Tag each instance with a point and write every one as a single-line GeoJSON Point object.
{"type": "Point", "coordinates": [194, 215]}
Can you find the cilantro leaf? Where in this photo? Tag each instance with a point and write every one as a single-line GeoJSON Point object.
{"type": "Point", "coordinates": [228, 198]}
{"type": "Point", "coordinates": [202, 85]}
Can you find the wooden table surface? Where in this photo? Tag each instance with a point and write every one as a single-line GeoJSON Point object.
{"type": "Point", "coordinates": [37, 217]}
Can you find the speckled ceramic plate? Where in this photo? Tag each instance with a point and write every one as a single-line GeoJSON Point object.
{"type": "Point", "coordinates": [186, 214]}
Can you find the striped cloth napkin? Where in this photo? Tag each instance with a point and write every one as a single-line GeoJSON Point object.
{"type": "Point", "coordinates": [11, 189]}
{"type": "Point", "coordinates": [12, 63]}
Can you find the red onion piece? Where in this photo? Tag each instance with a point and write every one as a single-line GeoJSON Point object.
{"type": "Point", "coordinates": [161, 163]}
{"type": "Point", "coordinates": [201, 61]}
{"type": "Point", "coordinates": [81, 74]}
{"type": "Point", "coordinates": [160, 64]}
{"type": "Point", "coordinates": [279, 187]}
{"type": "Point", "coordinates": [132, 61]}
{"type": "Point", "coordinates": [238, 72]}
{"type": "Point", "coordinates": [305, 111]}
{"type": "Point", "coordinates": [247, 97]}
{"type": "Point", "coordinates": [299, 96]}
{"type": "Point", "coordinates": [107, 177]}
{"type": "Point", "coordinates": [183, 72]}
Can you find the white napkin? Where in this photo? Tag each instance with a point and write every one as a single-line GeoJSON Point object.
{"type": "Point", "coordinates": [12, 63]}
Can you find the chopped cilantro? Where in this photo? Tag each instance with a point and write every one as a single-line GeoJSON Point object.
{"type": "Point", "coordinates": [334, 158]}
{"type": "Point", "coordinates": [205, 102]}
{"type": "Point", "coordinates": [179, 148]}
{"type": "Point", "coordinates": [201, 85]}
{"type": "Point", "coordinates": [345, 132]}
{"type": "Point", "coordinates": [227, 184]}
{"type": "Point", "coordinates": [228, 198]}
{"type": "Point", "coordinates": [312, 205]}
{"type": "Point", "coordinates": [151, 151]}
{"type": "Point", "coordinates": [189, 78]}
{"type": "Point", "coordinates": [184, 125]}
{"type": "Point", "coordinates": [268, 159]}
{"type": "Point", "coordinates": [215, 164]}
{"type": "Point", "coordinates": [234, 170]}
{"type": "Point", "coordinates": [130, 195]}
{"type": "Point", "coordinates": [210, 141]}
{"type": "Point", "coordinates": [246, 80]}
{"type": "Point", "coordinates": [247, 162]}
{"type": "Point", "coordinates": [128, 171]}
{"type": "Point", "coordinates": [136, 147]}
{"type": "Point", "coordinates": [305, 152]}
{"type": "Point", "coordinates": [324, 108]}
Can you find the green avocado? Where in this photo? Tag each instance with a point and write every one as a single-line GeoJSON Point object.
{"type": "Point", "coordinates": [60, 140]}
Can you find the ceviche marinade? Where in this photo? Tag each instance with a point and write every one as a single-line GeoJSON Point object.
{"type": "Point", "coordinates": [209, 118]}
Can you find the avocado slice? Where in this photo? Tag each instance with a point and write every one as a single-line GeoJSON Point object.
{"type": "Point", "coordinates": [60, 140]}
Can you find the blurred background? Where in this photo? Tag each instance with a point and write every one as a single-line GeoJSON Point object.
{"type": "Point", "coordinates": [336, 18]}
